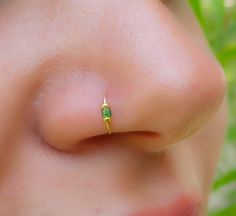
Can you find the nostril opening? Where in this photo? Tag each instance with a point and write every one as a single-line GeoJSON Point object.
{"type": "Point", "coordinates": [141, 133]}
{"type": "Point", "coordinates": [105, 138]}
{"type": "Point", "coordinates": [136, 140]}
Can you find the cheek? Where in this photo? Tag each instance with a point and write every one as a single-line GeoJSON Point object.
{"type": "Point", "coordinates": [207, 144]}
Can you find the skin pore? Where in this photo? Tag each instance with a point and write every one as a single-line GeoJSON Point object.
{"type": "Point", "coordinates": [59, 58]}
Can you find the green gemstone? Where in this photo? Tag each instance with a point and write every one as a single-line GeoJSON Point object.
{"type": "Point", "coordinates": [106, 112]}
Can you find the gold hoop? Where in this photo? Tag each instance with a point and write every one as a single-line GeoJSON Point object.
{"type": "Point", "coordinates": [106, 114]}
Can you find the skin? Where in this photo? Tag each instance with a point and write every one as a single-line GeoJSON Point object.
{"type": "Point", "coordinates": [166, 91]}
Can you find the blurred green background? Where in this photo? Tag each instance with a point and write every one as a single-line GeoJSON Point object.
{"type": "Point", "coordinates": [218, 19]}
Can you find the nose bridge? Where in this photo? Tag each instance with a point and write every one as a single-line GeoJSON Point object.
{"type": "Point", "coordinates": [125, 27]}
{"type": "Point", "coordinates": [142, 41]}
{"type": "Point", "coordinates": [141, 36]}
{"type": "Point", "coordinates": [139, 40]}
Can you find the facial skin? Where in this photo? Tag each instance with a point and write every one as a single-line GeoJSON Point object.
{"type": "Point", "coordinates": [166, 91]}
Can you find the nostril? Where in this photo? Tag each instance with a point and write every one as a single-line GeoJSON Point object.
{"type": "Point", "coordinates": [118, 135]}
{"type": "Point", "coordinates": [143, 133]}
{"type": "Point", "coordinates": [135, 139]}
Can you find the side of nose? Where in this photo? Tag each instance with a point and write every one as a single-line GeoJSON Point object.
{"type": "Point", "coordinates": [153, 75]}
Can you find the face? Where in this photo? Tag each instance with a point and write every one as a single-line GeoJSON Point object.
{"type": "Point", "coordinates": [59, 59]}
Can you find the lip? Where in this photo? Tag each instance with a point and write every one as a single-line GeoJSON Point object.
{"type": "Point", "coordinates": [184, 205]}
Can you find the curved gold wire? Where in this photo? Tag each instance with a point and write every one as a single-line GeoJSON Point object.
{"type": "Point", "coordinates": [108, 125]}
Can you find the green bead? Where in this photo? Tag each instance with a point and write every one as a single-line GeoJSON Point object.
{"type": "Point", "coordinates": [106, 112]}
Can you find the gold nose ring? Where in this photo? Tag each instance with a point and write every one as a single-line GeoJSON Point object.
{"type": "Point", "coordinates": [106, 114]}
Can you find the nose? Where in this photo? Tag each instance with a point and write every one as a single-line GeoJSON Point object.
{"type": "Point", "coordinates": [155, 77]}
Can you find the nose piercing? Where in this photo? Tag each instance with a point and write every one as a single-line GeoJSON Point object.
{"type": "Point", "coordinates": [106, 114]}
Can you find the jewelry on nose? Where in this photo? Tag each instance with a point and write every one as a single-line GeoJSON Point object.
{"type": "Point", "coordinates": [106, 114]}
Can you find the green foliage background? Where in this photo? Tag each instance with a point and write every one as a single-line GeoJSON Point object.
{"type": "Point", "coordinates": [218, 19]}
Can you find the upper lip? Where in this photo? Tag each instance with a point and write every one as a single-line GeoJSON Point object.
{"type": "Point", "coordinates": [178, 203]}
{"type": "Point", "coordinates": [184, 205]}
